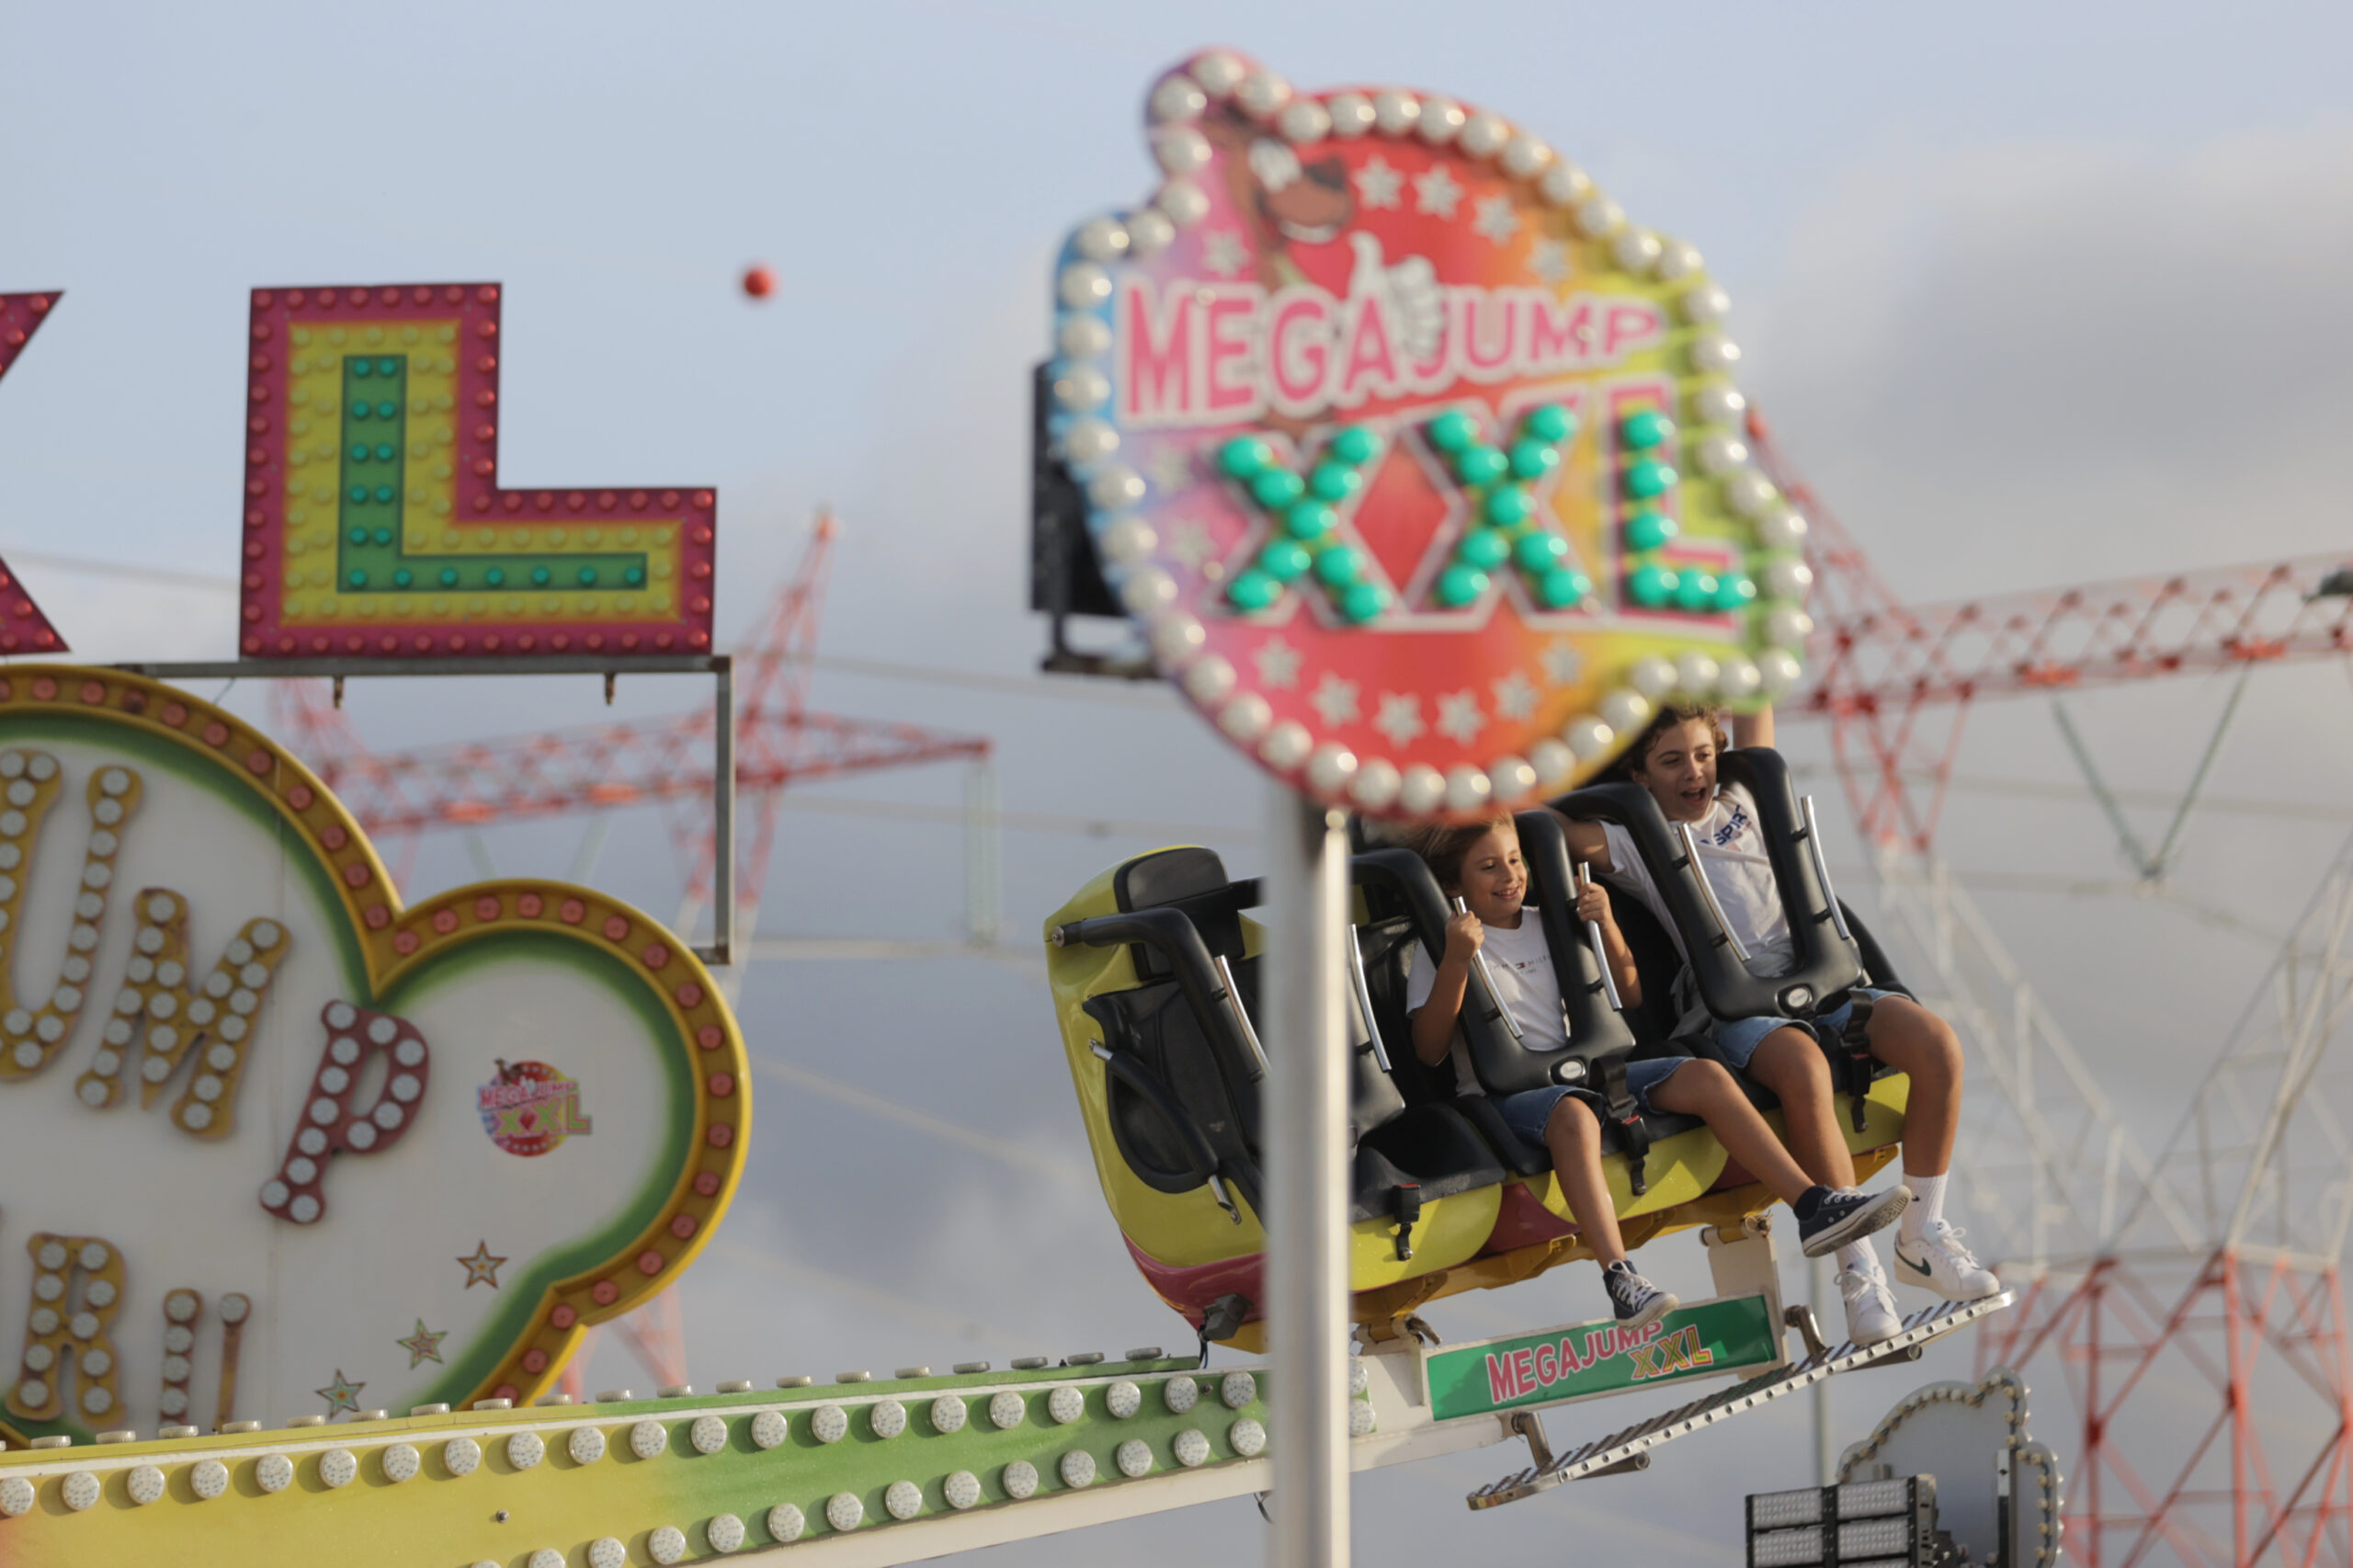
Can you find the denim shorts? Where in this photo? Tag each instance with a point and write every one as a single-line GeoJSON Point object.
{"type": "Point", "coordinates": [1737, 1041]}
{"type": "Point", "coordinates": [1526, 1112]}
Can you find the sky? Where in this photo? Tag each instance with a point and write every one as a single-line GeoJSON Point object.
{"type": "Point", "coordinates": [2032, 295]}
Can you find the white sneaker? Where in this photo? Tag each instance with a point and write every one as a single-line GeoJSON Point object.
{"type": "Point", "coordinates": [1936, 1261]}
{"type": "Point", "coordinates": [1871, 1317]}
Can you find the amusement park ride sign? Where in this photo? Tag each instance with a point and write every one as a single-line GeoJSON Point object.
{"type": "Point", "coordinates": [1421, 465]}
{"type": "Point", "coordinates": [272, 1141]}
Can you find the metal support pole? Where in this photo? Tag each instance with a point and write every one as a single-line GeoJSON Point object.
{"type": "Point", "coordinates": [721, 950]}
{"type": "Point", "coordinates": [1307, 1264]}
{"type": "Point", "coordinates": [1825, 1451]}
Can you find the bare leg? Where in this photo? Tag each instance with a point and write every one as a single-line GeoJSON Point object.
{"type": "Point", "coordinates": [1573, 1133]}
{"type": "Point", "coordinates": [1916, 1042]}
{"type": "Point", "coordinates": [1706, 1090]}
{"type": "Point", "coordinates": [1790, 1064]}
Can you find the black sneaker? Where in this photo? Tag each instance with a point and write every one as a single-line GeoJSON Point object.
{"type": "Point", "coordinates": [1638, 1302]}
{"type": "Point", "coordinates": [1849, 1215]}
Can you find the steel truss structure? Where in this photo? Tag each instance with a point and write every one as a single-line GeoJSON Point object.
{"type": "Point", "coordinates": [673, 762]}
{"type": "Point", "coordinates": [2190, 1302]}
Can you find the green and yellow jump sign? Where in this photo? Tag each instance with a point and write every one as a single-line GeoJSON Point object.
{"type": "Point", "coordinates": [1554, 1366]}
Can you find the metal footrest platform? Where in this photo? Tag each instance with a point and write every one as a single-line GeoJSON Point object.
{"type": "Point", "coordinates": [1628, 1449]}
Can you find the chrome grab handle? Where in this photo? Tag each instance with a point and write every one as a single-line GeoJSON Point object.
{"type": "Point", "coordinates": [1364, 997]}
{"type": "Point", "coordinates": [1822, 868]}
{"type": "Point", "coordinates": [1241, 1013]}
{"type": "Point", "coordinates": [1600, 952]}
{"type": "Point", "coordinates": [1707, 890]}
{"type": "Point", "coordinates": [1487, 981]}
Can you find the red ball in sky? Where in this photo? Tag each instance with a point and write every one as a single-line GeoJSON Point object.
{"type": "Point", "coordinates": [759, 282]}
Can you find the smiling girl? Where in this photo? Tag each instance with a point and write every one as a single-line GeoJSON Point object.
{"type": "Point", "coordinates": [1674, 760]}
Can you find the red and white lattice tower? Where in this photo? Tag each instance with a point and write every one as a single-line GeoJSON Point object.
{"type": "Point", "coordinates": [2189, 1301]}
{"type": "Point", "coordinates": [779, 741]}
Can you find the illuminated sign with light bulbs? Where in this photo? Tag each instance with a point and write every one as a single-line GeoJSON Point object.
{"type": "Point", "coordinates": [375, 526]}
{"type": "Point", "coordinates": [1420, 464]}
{"type": "Point", "coordinates": [273, 1143]}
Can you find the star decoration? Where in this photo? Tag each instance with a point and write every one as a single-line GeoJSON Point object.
{"type": "Point", "coordinates": [1335, 701]}
{"type": "Point", "coordinates": [1377, 183]}
{"type": "Point", "coordinates": [1277, 663]}
{"type": "Point", "coordinates": [1170, 468]}
{"type": "Point", "coordinates": [1496, 219]}
{"type": "Point", "coordinates": [1223, 252]}
{"type": "Point", "coordinates": [343, 1393]}
{"type": "Point", "coordinates": [481, 1269]}
{"type": "Point", "coordinates": [1562, 663]}
{"type": "Point", "coordinates": [1400, 717]}
{"type": "Point", "coordinates": [1549, 259]}
{"type": "Point", "coordinates": [1516, 697]}
{"type": "Point", "coordinates": [1190, 543]}
{"type": "Point", "coordinates": [1459, 716]}
{"type": "Point", "coordinates": [1435, 193]}
{"type": "Point", "coordinates": [422, 1346]}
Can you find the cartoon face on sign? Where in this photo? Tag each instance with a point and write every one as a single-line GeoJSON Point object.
{"type": "Point", "coordinates": [1421, 465]}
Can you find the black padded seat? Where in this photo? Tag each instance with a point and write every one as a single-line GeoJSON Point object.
{"type": "Point", "coordinates": [1185, 1089]}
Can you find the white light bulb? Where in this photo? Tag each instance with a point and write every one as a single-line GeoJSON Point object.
{"type": "Point", "coordinates": [1146, 589]}
{"type": "Point", "coordinates": [1210, 681]}
{"type": "Point", "coordinates": [1788, 579]}
{"type": "Point", "coordinates": [1786, 626]}
{"type": "Point", "coordinates": [1484, 134]}
{"type": "Point", "coordinates": [1183, 203]}
{"type": "Point", "coordinates": [1352, 115]}
{"type": "Point", "coordinates": [1635, 250]}
{"type": "Point", "coordinates": [1713, 354]}
{"type": "Point", "coordinates": [1554, 763]}
{"type": "Point", "coordinates": [1262, 93]}
{"type": "Point", "coordinates": [1396, 113]}
{"type": "Point", "coordinates": [1286, 745]}
{"type": "Point", "coordinates": [1376, 785]}
{"type": "Point", "coordinates": [1149, 233]}
{"type": "Point", "coordinates": [1178, 97]}
{"type": "Point", "coordinates": [1442, 121]}
{"type": "Point", "coordinates": [1781, 529]}
{"type": "Point", "coordinates": [1247, 717]}
{"type": "Point", "coordinates": [1089, 441]}
{"type": "Point", "coordinates": [1677, 261]}
{"type": "Point", "coordinates": [1217, 74]}
{"type": "Point", "coordinates": [1304, 120]}
{"type": "Point", "coordinates": [1590, 739]}
{"type": "Point", "coordinates": [1719, 405]}
{"type": "Point", "coordinates": [1720, 454]}
{"type": "Point", "coordinates": [1331, 769]}
{"type": "Point", "coordinates": [1695, 674]}
{"type": "Point", "coordinates": [1749, 492]}
{"type": "Point", "coordinates": [1181, 149]}
{"type": "Point", "coordinates": [1511, 777]}
{"type": "Point", "coordinates": [1564, 184]}
{"type": "Point", "coordinates": [1420, 790]}
{"type": "Point", "coordinates": [1468, 789]}
{"type": "Point", "coordinates": [1625, 711]}
{"type": "Point", "coordinates": [1524, 156]}
{"type": "Point", "coordinates": [1704, 304]}
{"type": "Point", "coordinates": [1103, 239]}
{"type": "Point", "coordinates": [1653, 677]}
{"type": "Point", "coordinates": [1127, 540]}
{"type": "Point", "coordinates": [1084, 286]}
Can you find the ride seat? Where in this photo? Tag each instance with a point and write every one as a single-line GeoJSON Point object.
{"type": "Point", "coordinates": [1834, 952]}
{"type": "Point", "coordinates": [1181, 1052]}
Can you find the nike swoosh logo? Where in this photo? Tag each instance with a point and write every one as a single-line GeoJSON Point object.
{"type": "Point", "coordinates": [1922, 1269]}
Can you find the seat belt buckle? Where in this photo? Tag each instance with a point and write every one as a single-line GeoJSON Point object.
{"type": "Point", "coordinates": [1405, 1203]}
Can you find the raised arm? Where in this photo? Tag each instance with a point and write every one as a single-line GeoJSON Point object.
{"type": "Point", "coordinates": [1752, 729]}
{"type": "Point", "coordinates": [1586, 841]}
{"type": "Point", "coordinates": [1593, 904]}
{"type": "Point", "coordinates": [1435, 1019]}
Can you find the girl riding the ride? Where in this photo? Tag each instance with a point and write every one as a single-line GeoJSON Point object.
{"type": "Point", "coordinates": [1482, 864]}
{"type": "Point", "coordinates": [1676, 761]}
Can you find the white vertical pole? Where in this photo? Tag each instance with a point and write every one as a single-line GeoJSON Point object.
{"type": "Point", "coordinates": [1825, 1457]}
{"type": "Point", "coordinates": [1307, 1264]}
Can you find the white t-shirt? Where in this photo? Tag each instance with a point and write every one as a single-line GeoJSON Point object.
{"type": "Point", "coordinates": [1731, 857]}
{"type": "Point", "coordinates": [1525, 985]}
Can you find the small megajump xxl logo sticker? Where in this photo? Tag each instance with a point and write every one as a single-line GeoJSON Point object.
{"type": "Point", "coordinates": [1423, 468]}
{"type": "Point", "coordinates": [531, 1108]}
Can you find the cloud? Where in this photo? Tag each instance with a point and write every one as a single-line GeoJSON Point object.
{"type": "Point", "coordinates": [2037, 363]}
